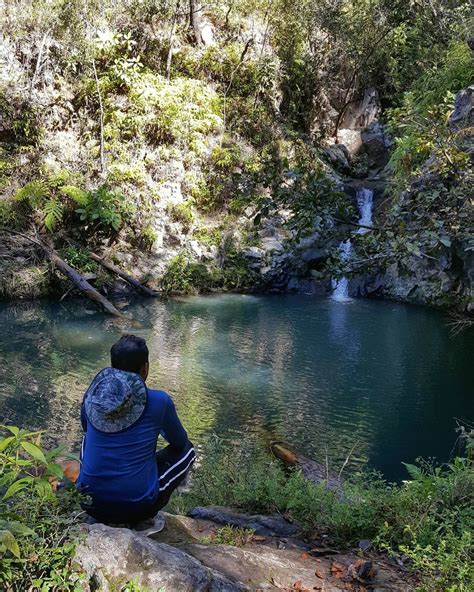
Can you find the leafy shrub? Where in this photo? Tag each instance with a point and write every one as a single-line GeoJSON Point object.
{"type": "Point", "coordinates": [146, 237]}
{"type": "Point", "coordinates": [25, 130]}
{"type": "Point", "coordinates": [8, 213]}
{"type": "Point", "coordinates": [183, 212]}
{"type": "Point", "coordinates": [36, 545]}
{"type": "Point", "coordinates": [420, 122]}
{"type": "Point", "coordinates": [236, 273]}
{"type": "Point", "coordinates": [180, 113]}
{"type": "Point", "coordinates": [188, 277]}
{"type": "Point", "coordinates": [208, 236]}
{"type": "Point", "coordinates": [80, 260]}
{"type": "Point", "coordinates": [105, 209]}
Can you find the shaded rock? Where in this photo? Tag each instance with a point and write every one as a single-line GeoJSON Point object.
{"type": "Point", "coordinates": [463, 114]}
{"type": "Point", "coordinates": [376, 143]}
{"type": "Point", "coordinates": [182, 529]}
{"type": "Point", "coordinates": [111, 556]}
{"type": "Point", "coordinates": [309, 286]}
{"type": "Point", "coordinates": [365, 544]}
{"type": "Point", "coordinates": [252, 253]}
{"type": "Point", "coordinates": [314, 255]}
{"type": "Point", "coordinates": [308, 241]}
{"type": "Point", "coordinates": [293, 285]}
{"type": "Point", "coordinates": [271, 244]}
{"type": "Point", "coordinates": [362, 113]}
{"type": "Point", "coordinates": [339, 157]}
{"type": "Point", "coordinates": [263, 525]}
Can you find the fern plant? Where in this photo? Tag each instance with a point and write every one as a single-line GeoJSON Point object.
{"type": "Point", "coordinates": [34, 192]}
{"type": "Point", "coordinates": [49, 198]}
{"type": "Point", "coordinates": [104, 209]}
{"type": "Point", "coordinates": [78, 195]}
{"type": "Point", "coordinates": [52, 213]}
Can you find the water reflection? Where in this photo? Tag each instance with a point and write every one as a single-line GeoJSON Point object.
{"type": "Point", "coordinates": [383, 379]}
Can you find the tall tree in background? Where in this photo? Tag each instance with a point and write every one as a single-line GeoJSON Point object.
{"type": "Point", "coordinates": [195, 19]}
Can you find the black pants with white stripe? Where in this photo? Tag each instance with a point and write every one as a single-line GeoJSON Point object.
{"type": "Point", "coordinates": [173, 467]}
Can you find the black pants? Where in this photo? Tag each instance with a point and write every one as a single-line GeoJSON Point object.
{"type": "Point", "coordinates": [173, 466]}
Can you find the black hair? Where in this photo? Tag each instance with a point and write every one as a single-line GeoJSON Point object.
{"type": "Point", "coordinates": [129, 353]}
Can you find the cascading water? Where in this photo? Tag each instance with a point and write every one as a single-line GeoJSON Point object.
{"type": "Point", "coordinates": [364, 203]}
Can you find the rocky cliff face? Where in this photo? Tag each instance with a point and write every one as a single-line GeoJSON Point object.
{"type": "Point", "coordinates": [444, 280]}
{"type": "Point", "coordinates": [164, 178]}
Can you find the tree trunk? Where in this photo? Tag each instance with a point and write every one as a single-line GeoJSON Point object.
{"type": "Point", "coordinates": [195, 19]}
{"type": "Point", "coordinates": [103, 164]}
{"type": "Point", "coordinates": [76, 278]}
{"type": "Point", "coordinates": [38, 63]}
{"type": "Point", "coordinates": [170, 42]}
{"type": "Point", "coordinates": [311, 469]}
{"type": "Point", "coordinates": [128, 278]}
{"type": "Point", "coordinates": [80, 282]}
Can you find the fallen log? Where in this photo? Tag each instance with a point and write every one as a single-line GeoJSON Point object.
{"type": "Point", "coordinates": [128, 278]}
{"type": "Point", "coordinates": [80, 282]}
{"type": "Point", "coordinates": [114, 269]}
{"type": "Point", "coordinates": [313, 471]}
{"type": "Point", "coordinates": [76, 278]}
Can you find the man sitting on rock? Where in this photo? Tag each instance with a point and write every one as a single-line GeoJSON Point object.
{"type": "Point", "coordinates": [124, 477]}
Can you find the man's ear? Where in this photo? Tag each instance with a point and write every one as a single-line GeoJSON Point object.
{"type": "Point", "coordinates": [144, 371]}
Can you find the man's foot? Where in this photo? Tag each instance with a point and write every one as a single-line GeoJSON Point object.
{"type": "Point", "coordinates": [151, 526]}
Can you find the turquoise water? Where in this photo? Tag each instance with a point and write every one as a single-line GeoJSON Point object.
{"type": "Point", "coordinates": [382, 379]}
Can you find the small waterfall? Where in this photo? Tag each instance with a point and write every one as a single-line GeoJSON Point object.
{"type": "Point", "coordinates": [364, 204]}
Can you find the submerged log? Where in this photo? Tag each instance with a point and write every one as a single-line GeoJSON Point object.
{"type": "Point", "coordinates": [76, 278]}
{"type": "Point", "coordinates": [313, 471]}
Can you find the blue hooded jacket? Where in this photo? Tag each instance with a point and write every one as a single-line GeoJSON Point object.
{"type": "Point", "coordinates": [118, 469]}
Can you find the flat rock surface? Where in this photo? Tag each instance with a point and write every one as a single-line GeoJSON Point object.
{"type": "Point", "coordinates": [264, 568]}
{"type": "Point", "coordinates": [177, 560]}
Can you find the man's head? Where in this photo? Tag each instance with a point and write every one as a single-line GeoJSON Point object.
{"type": "Point", "coordinates": [130, 353]}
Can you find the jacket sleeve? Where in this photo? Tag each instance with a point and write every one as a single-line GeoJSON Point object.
{"type": "Point", "coordinates": [173, 430]}
{"type": "Point", "coordinates": [83, 418]}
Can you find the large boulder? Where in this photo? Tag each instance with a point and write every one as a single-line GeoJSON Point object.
{"type": "Point", "coordinates": [109, 557]}
{"type": "Point", "coordinates": [339, 157]}
{"type": "Point", "coordinates": [264, 568]}
{"type": "Point", "coordinates": [176, 559]}
{"type": "Point", "coordinates": [362, 113]}
{"type": "Point", "coordinates": [376, 144]}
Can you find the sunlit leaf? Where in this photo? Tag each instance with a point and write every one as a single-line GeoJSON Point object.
{"type": "Point", "coordinates": [34, 451]}
{"type": "Point", "coordinates": [17, 486]}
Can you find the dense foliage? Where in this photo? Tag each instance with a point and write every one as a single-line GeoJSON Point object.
{"type": "Point", "coordinates": [124, 97]}
{"type": "Point", "coordinates": [36, 542]}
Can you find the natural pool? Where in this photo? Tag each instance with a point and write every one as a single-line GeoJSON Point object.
{"type": "Point", "coordinates": [382, 379]}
